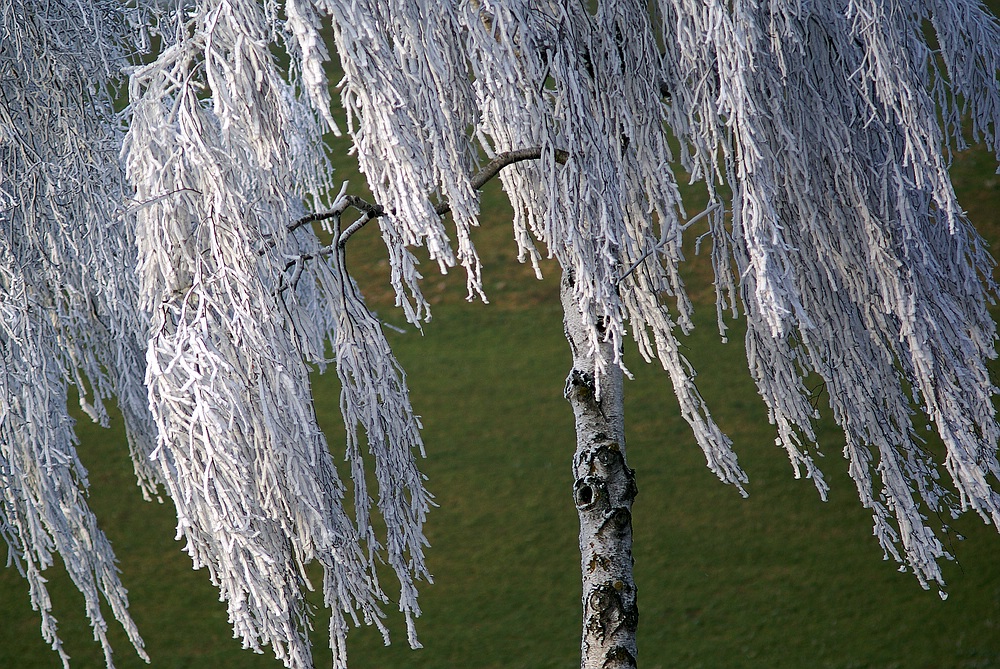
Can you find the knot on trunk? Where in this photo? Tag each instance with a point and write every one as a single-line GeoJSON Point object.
{"type": "Point", "coordinates": [631, 489]}
{"type": "Point", "coordinates": [590, 492]}
{"type": "Point", "coordinates": [606, 460]}
{"type": "Point", "coordinates": [580, 386]}
{"type": "Point", "coordinates": [618, 657]}
{"type": "Point", "coordinates": [608, 612]}
{"type": "Point", "coordinates": [618, 519]}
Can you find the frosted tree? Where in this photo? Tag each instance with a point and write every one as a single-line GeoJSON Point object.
{"type": "Point", "coordinates": [165, 187]}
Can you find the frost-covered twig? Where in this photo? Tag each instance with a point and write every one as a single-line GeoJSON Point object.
{"type": "Point", "coordinates": [659, 245]}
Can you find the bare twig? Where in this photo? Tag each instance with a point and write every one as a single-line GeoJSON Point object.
{"type": "Point", "coordinates": [369, 211]}
{"type": "Point", "coordinates": [340, 203]}
{"type": "Point", "coordinates": [140, 205]}
{"type": "Point", "coordinates": [313, 218]}
{"type": "Point", "coordinates": [373, 211]}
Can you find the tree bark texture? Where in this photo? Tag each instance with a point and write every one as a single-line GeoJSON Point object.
{"type": "Point", "coordinates": [603, 491]}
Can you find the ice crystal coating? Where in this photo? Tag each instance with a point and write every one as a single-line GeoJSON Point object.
{"type": "Point", "coordinates": [156, 156]}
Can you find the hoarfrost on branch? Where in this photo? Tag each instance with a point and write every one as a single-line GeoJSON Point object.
{"type": "Point", "coordinates": [149, 254]}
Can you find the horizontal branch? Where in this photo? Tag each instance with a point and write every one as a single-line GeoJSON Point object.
{"type": "Point", "coordinates": [371, 211]}
{"type": "Point", "coordinates": [481, 178]}
{"type": "Point", "coordinates": [492, 168]}
{"type": "Point", "coordinates": [313, 218]}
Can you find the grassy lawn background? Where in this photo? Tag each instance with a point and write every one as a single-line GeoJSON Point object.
{"type": "Point", "coordinates": [777, 580]}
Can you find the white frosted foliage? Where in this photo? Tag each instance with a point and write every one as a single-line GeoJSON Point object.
{"type": "Point", "coordinates": [159, 161]}
{"type": "Point", "coordinates": [857, 268]}
{"type": "Point", "coordinates": [857, 264]}
{"type": "Point", "coordinates": [67, 301]}
{"type": "Point", "coordinates": [257, 494]}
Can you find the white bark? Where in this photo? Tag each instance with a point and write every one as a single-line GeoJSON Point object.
{"type": "Point", "coordinates": [603, 491]}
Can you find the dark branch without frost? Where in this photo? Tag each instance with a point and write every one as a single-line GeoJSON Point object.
{"type": "Point", "coordinates": [313, 218]}
{"type": "Point", "coordinates": [492, 168]}
{"type": "Point", "coordinates": [481, 178]}
{"type": "Point", "coordinates": [371, 211]}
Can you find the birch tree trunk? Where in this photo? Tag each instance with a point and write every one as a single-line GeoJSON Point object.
{"type": "Point", "coordinates": [603, 491]}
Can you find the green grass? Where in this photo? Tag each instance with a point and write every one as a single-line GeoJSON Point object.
{"type": "Point", "coordinates": [778, 580]}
